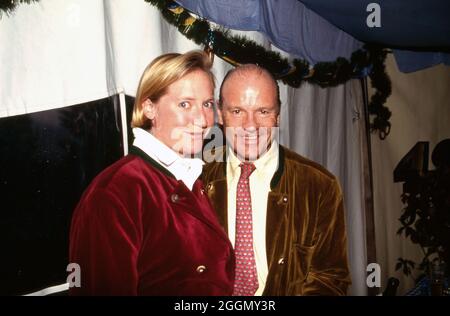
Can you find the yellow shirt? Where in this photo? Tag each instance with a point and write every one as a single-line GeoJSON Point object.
{"type": "Point", "coordinates": [266, 165]}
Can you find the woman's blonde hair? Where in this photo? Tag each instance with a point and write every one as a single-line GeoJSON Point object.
{"type": "Point", "coordinates": [160, 74]}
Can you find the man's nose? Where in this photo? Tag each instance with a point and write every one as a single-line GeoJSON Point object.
{"type": "Point", "coordinates": [249, 122]}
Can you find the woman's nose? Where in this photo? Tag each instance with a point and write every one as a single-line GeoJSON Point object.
{"type": "Point", "coordinates": [200, 117]}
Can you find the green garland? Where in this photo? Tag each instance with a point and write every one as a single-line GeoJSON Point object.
{"type": "Point", "coordinates": [239, 50]}
{"type": "Point", "coordinates": [236, 50]}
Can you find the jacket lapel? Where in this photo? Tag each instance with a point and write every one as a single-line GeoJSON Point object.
{"type": "Point", "coordinates": [277, 204]}
{"type": "Point", "coordinates": [187, 203]}
{"type": "Point", "coordinates": [182, 196]}
{"type": "Point", "coordinates": [217, 190]}
{"type": "Point", "coordinates": [217, 193]}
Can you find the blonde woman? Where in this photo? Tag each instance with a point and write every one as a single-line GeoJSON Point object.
{"type": "Point", "coordinates": [145, 226]}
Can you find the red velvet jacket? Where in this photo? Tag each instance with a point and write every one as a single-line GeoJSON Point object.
{"type": "Point", "coordinates": [139, 231]}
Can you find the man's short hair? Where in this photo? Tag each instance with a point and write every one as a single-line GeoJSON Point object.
{"type": "Point", "coordinates": [247, 69]}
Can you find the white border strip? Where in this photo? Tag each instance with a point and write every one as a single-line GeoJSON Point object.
{"type": "Point", "coordinates": [50, 290]}
{"type": "Point", "coordinates": [123, 117]}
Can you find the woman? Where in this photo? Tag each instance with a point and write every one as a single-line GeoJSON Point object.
{"type": "Point", "coordinates": [144, 226]}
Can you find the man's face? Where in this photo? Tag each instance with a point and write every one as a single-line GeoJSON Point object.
{"type": "Point", "coordinates": [249, 113]}
{"type": "Point", "coordinates": [182, 117]}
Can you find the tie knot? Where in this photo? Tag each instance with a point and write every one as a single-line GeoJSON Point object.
{"type": "Point", "coordinates": [246, 169]}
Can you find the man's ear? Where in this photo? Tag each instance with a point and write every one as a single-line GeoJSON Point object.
{"type": "Point", "coordinates": [149, 109]}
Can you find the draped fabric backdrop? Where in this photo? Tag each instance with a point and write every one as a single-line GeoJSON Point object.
{"type": "Point", "coordinates": [59, 53]}
{"type": "Point", "coordinates": [420, 104]}
{"type": "Point", "coordinates": [327, 125]}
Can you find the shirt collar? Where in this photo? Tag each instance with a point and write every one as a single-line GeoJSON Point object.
{"type": "Point", "coordinates": [263, 164]}
{"type": "Point", "coordinates": [185, 169]}
{"type": "Point", "coordinates": [154, 147]}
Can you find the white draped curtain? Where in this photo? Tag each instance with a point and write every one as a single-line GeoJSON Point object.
{"type": "Point", "coordinates": [327, 126]}
{"type": "Point", "coordinates": [60, 53]}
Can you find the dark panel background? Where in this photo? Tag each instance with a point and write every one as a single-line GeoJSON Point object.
{"type": "Point", "coordinates": [47, 159]}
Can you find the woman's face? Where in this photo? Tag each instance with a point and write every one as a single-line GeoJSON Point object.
{"type": "Point", "coordinates": [182, 117]}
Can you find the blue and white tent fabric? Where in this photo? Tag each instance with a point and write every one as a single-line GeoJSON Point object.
{"type": "Point", "coordinates": [323, 30]}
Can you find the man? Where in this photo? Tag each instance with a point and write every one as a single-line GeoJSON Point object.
{"type": "Point", "coordinates": [283, 213]}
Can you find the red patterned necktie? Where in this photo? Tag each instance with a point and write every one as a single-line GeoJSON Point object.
{"type": "Point", "coordinates": [246, 280]}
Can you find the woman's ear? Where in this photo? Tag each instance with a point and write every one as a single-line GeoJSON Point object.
{"type": "Point", "coordinates": [149, 109]}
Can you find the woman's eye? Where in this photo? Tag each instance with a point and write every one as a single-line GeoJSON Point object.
{"type": "Point", "coordinates": [209, 104]}
{"type": "Point", "coordinates": [184, 105]}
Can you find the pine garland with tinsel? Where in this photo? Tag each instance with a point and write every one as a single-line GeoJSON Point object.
{"type": "Point", "coordinates": [368, 61]}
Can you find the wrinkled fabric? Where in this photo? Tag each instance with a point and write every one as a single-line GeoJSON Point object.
{"type": "Point", "coordinates": [305, 236]}
{"type": "Point", "coordinates": [409, 61]}
{"type": "Point", "coordinates": [289, 25]}
{"type": "Point", "coordinates": [409, 25]}
{"type": "Point", "coordinates": [323, 30]}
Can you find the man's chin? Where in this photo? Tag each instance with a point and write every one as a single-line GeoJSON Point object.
{"type": "Point", "coordinates": [248, 155]}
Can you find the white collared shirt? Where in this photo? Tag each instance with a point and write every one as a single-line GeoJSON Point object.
{"type": "Point", "coordinates": [266, 166]}
{"type": "Point", "coordinates": [185, 169]}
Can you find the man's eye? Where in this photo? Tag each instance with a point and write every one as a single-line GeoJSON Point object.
{"type": "Point", "coordinates": [236, 111]}
{"type": "Point", "coordinates": [264, 112]}
{"type": "Point", "coordinates": [184, 105]}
